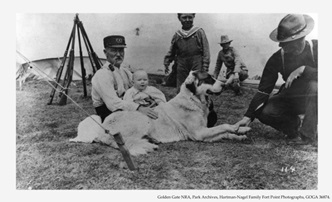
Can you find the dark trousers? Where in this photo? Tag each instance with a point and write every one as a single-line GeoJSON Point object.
{"type": "Point", "coordinates": [235, 86]}
{"type": "Point", "coordinates": [281, 110]}
{"type": "Point", "coordinates": [243, 75]}
{"type": "Point", "coordinates": [103, 112]}
{"type": "Point", "coordinates": [185, 65]}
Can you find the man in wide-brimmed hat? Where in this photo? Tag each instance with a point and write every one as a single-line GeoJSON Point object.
{"type": "Point", "coordinates": [111, 81]}
{"type": "Point", "coordinates": [236, 69]}
{"type": "Point", "coordinates": [296, 61]}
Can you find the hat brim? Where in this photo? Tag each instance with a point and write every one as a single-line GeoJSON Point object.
{"type": "Point", "coordinates": [117, 46]}
{"type": "Point", "coordinates": [310, 26]}
{"type": "Point", "coordinates": [226, 42]}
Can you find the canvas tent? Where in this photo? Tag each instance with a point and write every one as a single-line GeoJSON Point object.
{"type": "Point", "coordinates": [46, 69]}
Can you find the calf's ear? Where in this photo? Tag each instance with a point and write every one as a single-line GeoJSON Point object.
{"type": "Point", "coordinates": [195, 73]}
{"type": "Point", "coordinates": [191, 78]}
{"type": "Point", "coordinates": [191, 87]}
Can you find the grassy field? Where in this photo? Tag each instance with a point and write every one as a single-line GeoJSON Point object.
{"type": "Point", "coordinates": [45, 159]}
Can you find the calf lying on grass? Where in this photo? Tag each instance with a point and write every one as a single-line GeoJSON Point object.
{"type": "Point", "coordinates": [182, 118]}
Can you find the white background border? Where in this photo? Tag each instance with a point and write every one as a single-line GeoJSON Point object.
{"type": "Point", "coordinates": [8, 98]}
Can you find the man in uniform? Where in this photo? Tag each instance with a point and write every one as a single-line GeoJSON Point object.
{"type": "Point", "coordinates": [296, 61]}
{"type": "Point", "coordinates": [111, 81]}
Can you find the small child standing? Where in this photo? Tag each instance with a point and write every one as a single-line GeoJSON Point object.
{"type": "Point", "coordinates": [143, 94]}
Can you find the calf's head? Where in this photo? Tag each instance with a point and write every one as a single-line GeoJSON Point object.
{"type": "Point", "coordinates": [200, 83]}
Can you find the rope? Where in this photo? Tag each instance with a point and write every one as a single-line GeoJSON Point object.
{"type": "Point", "coordinates": [28, 61]}
{"type": "Point", "coordinates": [34, 66]}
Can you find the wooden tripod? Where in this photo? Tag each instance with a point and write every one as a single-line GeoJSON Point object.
{"type": "Point", "coordinates": [95, 62]}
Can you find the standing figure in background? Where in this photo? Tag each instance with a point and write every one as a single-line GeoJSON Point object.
{"type": "Point", "coordinates": [190, 47]}
{"type": "Point", "coordinates": [236, 70]}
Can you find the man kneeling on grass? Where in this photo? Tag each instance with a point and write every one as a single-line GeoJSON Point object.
{"type": "Point", "coordinates": [296, 61]}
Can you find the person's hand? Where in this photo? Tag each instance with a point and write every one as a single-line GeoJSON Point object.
{"type": "Point", "coordinates": [166, 69]}
{"type": "Point", "coordinates": [229, 80]}
{"type": "Point", "coordinates": [236, 78]}
{"type": "Point", "coordinates": [294, 75]}
{"type": "Point", "coordinates": [148, 111]}
{"type": "Point", "coordinates": [153, 104]}
{"type": "Point", "coordinates": [244, 122]}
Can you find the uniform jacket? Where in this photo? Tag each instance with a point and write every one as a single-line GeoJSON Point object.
{"type": "Point", "coordinates": [108, 87]}
{"type": "Point", "coordinates": [284, 65]}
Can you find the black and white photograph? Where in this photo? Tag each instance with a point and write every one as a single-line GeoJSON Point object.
{"type": "Point", "coordinates": [171, 104]}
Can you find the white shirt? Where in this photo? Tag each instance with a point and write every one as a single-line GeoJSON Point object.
{"type": "Point", "coordinates": [108, 87]}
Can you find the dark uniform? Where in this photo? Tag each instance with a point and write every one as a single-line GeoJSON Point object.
{"type": "Point", "coordinates": [281, 110]}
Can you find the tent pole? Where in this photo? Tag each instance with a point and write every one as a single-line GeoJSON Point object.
{"type": "Point", "coordinates": [82, 63]}
{"type": "Point", "coordinates": [59, 72]}
{"type": "Point", "coordinates": [69, 73]}
{"type": "Point", "coordinates": [95, 61]}
{"type": "Point", "coordinates": [94, 55]}
{"type": "Point", "coordinates": [93, 65]}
